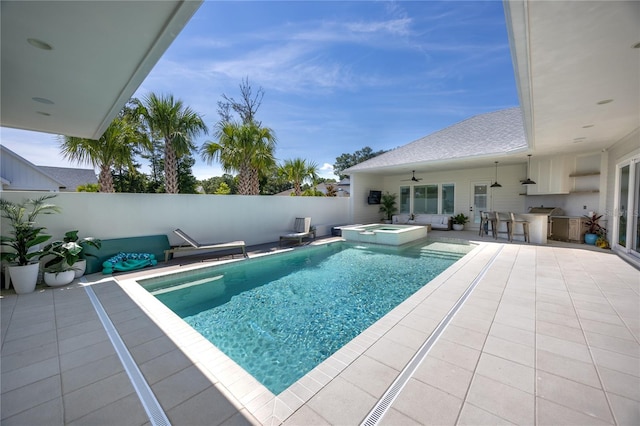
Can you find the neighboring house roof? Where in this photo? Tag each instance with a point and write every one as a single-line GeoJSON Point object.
{"type": "Point", "coordinates": [497, 132]}
{"type": "Point", "coordinates": [70, 177]}
{"type": "Point", "coordinates": [19, 174]}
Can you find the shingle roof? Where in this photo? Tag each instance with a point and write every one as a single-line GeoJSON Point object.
{"type": "Point", "coordinates": [495, 132]}
{"type": "Point", "coordinates": [70, 177]}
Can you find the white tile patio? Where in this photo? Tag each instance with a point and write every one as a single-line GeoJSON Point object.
{"type": "Point", "coordinates": [550, 335]}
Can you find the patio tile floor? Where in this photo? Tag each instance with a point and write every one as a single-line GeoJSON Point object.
{"type": "Point", "coordinates": [550, 335]}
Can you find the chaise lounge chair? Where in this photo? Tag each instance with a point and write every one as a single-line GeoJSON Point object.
{"type": "Point", "coordinates": [301, 229]}
{"type": "Point", "coordinates": [196, 246]}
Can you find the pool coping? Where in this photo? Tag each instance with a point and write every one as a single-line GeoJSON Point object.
{"type": "Point", "coordinates": [242, 389]}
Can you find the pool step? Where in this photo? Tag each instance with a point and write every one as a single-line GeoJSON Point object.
{"type": "Point", "coordinates": [439, 254]}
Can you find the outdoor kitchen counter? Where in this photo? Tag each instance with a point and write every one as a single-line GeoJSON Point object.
{"type": "Point", "coordinates": [537, 226]}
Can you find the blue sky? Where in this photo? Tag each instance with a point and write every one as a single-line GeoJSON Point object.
{"type": "Point", "coordinates": [337, 75]}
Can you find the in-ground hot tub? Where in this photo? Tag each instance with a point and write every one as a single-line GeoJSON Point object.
{"type": "Point", "coordinates": [393, 235]}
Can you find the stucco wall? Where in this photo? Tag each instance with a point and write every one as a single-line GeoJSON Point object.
{"type": "Point", "coordinates": [506, 198]}
{"type": "Point", "coordinates": [207, 218]}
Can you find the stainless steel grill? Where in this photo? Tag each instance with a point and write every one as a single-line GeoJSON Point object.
{"type": "Point", "coordinates": [550, 212]}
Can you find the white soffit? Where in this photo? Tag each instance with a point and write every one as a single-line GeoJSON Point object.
{"type": "Point", "coordinates": [568, 57]}
{"type": "Point", "coordinates": [101, 52]}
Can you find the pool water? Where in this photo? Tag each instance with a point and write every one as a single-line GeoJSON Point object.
{"type": "Point", "coordinates": [280, 316]}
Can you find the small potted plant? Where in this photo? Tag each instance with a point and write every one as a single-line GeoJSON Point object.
{"type": "Point", "coordinates": [593, 228]}
{"type": "Point", "coordinates": [458, 221]}
{"type": "Point", "coordinates": [59, 270]}
{"type": "Point", "coordinates": [80, 265]}
{"type": "Point", "coordinates": [25, 240]}
{"type": "Point", "coordinates": [388, 206]}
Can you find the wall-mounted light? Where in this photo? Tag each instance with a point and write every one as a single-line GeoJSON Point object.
{"type": "Point", "coordinates": [496, 184]}
{"type": "Point", "coordinates": [528, 181]}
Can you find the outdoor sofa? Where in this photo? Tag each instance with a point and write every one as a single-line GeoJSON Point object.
{"type": "Point", "coordinates": [437, 221]}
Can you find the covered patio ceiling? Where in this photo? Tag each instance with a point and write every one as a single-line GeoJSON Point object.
{"type": "Point", "coordinates": [68, 67]}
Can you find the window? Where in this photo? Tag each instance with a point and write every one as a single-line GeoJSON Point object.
{"type": "Point", "coordinates": [448, 193]}
{"type": "Point", "coordinates": [433, 199]}
{"type": "Point", "coordinates": [405, 199]}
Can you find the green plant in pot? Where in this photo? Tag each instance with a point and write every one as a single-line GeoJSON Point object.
{"type": "Point", "coordinates": [59, 269]}
{"type": "Point", "coordinates": [80, 264]}
{"type": "Point", "coordinates": [24, 239]}
{"type": "Point", "coordinates": [593, 228]}
{"type": "Point", "coordinates": [459, 220]}
{"type": "Point", "coordinates": [388, 206]}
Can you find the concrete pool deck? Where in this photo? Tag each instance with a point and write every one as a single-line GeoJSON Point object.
{"type": "Point", "coordinates": [550, 335]}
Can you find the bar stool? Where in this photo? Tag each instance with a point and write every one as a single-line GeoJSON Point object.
{"type": "Point", "coordinates": [487, 220]}
{"type": "Point", "coordinates": [525, 228]}
{"type": "Point", "coordinates": [498, 226]}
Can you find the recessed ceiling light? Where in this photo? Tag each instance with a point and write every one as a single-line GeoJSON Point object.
{"type": "Point", "coordinates": [587, 126]}
{"type": "Point", "coordinates": [636, 46]}
{"type": "Point", "coordinates": [39, 44]}
{"type": "Point", "coordinates": [605, 101]}
{"type": "Point", "coordinates": [43, 101]}
{"type": "Point", "coordinates": [46, 114]}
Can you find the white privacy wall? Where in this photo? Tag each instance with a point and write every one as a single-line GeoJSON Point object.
{"type": "Point", "coordinates": [361, 184]}
{"type": "Point", "coordinates": [207, 218]}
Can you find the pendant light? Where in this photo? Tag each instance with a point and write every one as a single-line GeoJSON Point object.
{"type": "Point", "coordinates": [496, 184]}
{"type": "Point", "coordinates": [528, 181]}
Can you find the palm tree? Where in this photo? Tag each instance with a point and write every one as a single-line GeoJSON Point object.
{"type": "Point", "coordinates": [296, 171]}
{"type": "Point", "coordinates": [244, 148]}
{"type": "Point", "coordinates": [113, 149]}
{"type": "Point", "coordinates": [177, 125]}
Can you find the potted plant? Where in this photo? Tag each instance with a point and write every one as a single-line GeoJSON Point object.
{"type": "Point", "coordinates": [388, 206]}
{"type": "Point", "coordinates": [593, 228]}
{"type": "Point", "coordinates": [80, 265]}
{"type": "Point", "coordinates": [59, 270]}
{"type": "Point", "coordinates": [458, 221]}
{"type": "Point", "coordinates": [24, 239]}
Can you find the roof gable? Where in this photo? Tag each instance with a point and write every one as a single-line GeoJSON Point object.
{"type": "Point", "coordinates": [493, 133]}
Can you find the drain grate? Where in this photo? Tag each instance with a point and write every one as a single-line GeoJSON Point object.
{"type": "Point", "coordinates": [151, 405]}
{"type": "Point", "coordinates": [383, 405]}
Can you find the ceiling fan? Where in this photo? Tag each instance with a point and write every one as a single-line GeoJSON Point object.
{"type": "Point", "coordinates": [413, 177]}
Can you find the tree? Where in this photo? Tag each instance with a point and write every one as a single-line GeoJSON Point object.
{"type": "Point", "coordinates": [345, 161]}
{"type": "Point", "coordinates": [247, 149]}
{"type": "Point", "coordinates": [177, 125]}
{"type": "Point", "coordinates": [297, 171]}
{"type": "Point", "coordinates": [211, 185]}
{"type": "Point", "coordinates": [89, 187]}
{"type": "Point", "coordinates": [223, 189]}
{"type": "Point", "coordinates": [332, 190]}
{"type": "Point", "coordinates": [113, 149]}
{"type": "Point", "coordinates": [246, 107]}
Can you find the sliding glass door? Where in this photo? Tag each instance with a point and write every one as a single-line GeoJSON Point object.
{"type": "Point", "coordinates": [627, 216]}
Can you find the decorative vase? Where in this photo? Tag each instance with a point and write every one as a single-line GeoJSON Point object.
{"type": "Point", "coordinates": [458, 227]}
{"type": "Point", "coordinates": [24, 278]}
{"type": "Point", "coordinates": [79, 268]}
{"type": "Point", "coordinates": [57, 279]}
{"type": "Point", "coordinates": [590, 239]}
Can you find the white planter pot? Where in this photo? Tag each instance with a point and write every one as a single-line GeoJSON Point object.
{"type": "Point", "coordinates": [24, 278]}
{"type": "Point", "coordinates": [458, 227]}
{"type": "Point", "coordinates": [79, 267]}
{"type": "Point", "coordinates": [57, 279]}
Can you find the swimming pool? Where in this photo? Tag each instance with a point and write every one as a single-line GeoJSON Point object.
{"type": "Point", "coordinates": [279, 316]}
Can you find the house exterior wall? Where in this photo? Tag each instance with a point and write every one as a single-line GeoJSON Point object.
{"type": "Point", "coordinates": [361, 184]}
{"type": "Point", "coordinates": [207, 218]}
{"type": "Point", "coordinates": [505, 199]}
{"type": "Point", "coordinates": [23, 176]}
